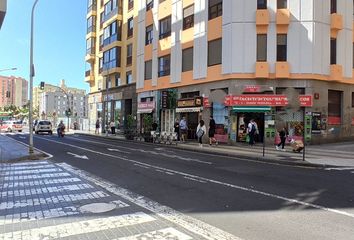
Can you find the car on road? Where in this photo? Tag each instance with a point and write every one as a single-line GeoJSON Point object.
{"type": "Point", "coordinates": [11, 126]}
{"type": "Point", "coordinates": [43, 126]}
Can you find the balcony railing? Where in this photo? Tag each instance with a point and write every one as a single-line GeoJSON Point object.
{"type": "Point", "coordinates": [165, 35]}
{"type": "Point", "coordinates": [93, 7]}
{"type": "Point", "coordinates": [91, 29]}
{"type": "Point", "coordinates": [90, 50]}
{"type": "Point", "coordinates": [111, 64]}
{"type": "Point", "coordinates": [110, 40]}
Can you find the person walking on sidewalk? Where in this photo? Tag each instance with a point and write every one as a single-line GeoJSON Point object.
{"type": "Point", "coordinates": [176, 128]}
{"type": "Point", "coordinates": [183, 128]}
{"type": "Point", "coordinates": [112, 125]}
{"type": "Point", "coordinates": [251, 131]}
{"type": "Point", "coordinates": [212, 127]}
{"type": "Point", "coordinates": [283, 135]}
{"type": "Point", "coordinates": [97, 130]}
{"type": "Point", "coordinates": [201, 129]}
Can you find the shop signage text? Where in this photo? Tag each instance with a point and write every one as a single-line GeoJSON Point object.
{"type": "Point", "coordinates": [265, 100]}
{"type": "Point", "coordinates": [146, 105]}
{"type": "Point", "coordinates": [190, 102]}
{"type": "Point", "coordinates": [206, 102]}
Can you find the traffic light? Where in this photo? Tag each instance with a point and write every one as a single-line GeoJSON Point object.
{"type": "Point", "coordinates": [68, 112]}
{"type": "Point", "coordinates": [42, 86]}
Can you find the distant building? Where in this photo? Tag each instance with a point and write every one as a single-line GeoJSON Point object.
{"type": "Point", "coordinates": [53, 101]}
{"type": "Point", "coordinates": [13, 91]}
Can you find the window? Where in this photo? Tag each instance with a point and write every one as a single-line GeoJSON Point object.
{"type": "Point", "coordinates": [109, 83]}
{"type": "Point", "coordinates": [187, 59]}
{"type": "Point", "coordinates": [91, 24]}
{"type": "Point", "coordinates": [261, 4]}
{"type": "Point", "coordinates": [333, 53]}
{"type": "Point", "coordinates": [111, 58]}
{"type": "Point", "coordinates": [282, 4]}
{"type": "Point", "coordinates": [188, 17]}
{"type": "Point", "coordinates": [165, 27]}
{"type": "Point", "coordinates": [100, 65]}
{"type": "Point", "coordinates": [149, 35]}
{"type": "Point", "coordinates": [101, 42]}
{"type": "Point", "coordinates": [215, 9]}
{"type": "Point", "coordinates": [333, 6]}
{"type": "Point", "coordinates": [164, 66]}
{"type": "Point", "coordinates": [130, 27]}
{"type": "Point", "coordinates": [117, 80]}
{"type": "Point", "coordinates": [91, 5]}
{"type": "Point", "coordinates": [334, 107]}
{"type": "Point", "coordinates": [111, 8]}
{"type": "Point", "coordinates": [214, 52]}
{"type": "Point", "coordinates": [112, 33]}
{"type": "Point", "coordinates": [149, 4]}
{"type": "Point", "coordinates": [148, 70]}
{"type": "Point", "coordinates": [129, 77]}
{"type": "Point", "coordinates": [261, 47]}
{"type": "Point", "coordinates": [90, 46]}
{"type": "Point", "coordinates": [129, 54]}
{"type": "Point", "coordinates": [281, 47]}
{"type": "Point", "coordinates": [130, 4]}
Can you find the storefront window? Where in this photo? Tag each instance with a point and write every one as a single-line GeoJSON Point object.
{"type": "Point", "coordinates": [117, 113]}
{"type": "Point", "coordinates": [334, 107]}
{"type": "Point", "coordinates": [220, 115]}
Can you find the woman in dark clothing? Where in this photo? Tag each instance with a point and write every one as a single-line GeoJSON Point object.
{"type": "Point", "coordinates": [212, 127]}
{"type": "Point", "coordinates": [282, 134]}
{"type": "Point", "coordinates": [176, 127]}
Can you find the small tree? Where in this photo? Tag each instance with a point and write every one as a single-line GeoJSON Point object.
{"type": "Point", "coordinates": [147, 121]}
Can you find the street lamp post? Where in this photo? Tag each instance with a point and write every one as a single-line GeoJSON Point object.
{"type": "Point", "coordinates": [30, 117]}
{"type": "Point", "coordinates": [107, 103]}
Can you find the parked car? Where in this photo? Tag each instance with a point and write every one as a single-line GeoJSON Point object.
{"type": "Point", "coordinates": [11, 126]}
{"type": "Point", "coordinates": [43, 126]}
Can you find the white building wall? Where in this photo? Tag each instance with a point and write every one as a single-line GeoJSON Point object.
{"type": "Point", "coordinates": [176, 47]}
{"type": "Point", "coordinates": [141, 44]}
{"type": "Point", "coordinates": [155, 42]}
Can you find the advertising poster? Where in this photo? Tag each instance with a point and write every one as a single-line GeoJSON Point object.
{"type": "Point", "coordinates": [316, 123]}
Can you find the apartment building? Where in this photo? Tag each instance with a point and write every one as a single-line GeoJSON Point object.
{"type": "Point", "coordinates": [3, 5]}
{"type": "Point", "coordinates": [13, 91]}
{"type": "Point", "coordinates": [111, 43]}
{"type": "Point", "coordinates": [284, 63]}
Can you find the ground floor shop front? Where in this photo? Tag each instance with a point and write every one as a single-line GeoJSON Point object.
{"type": "Point", "coordinates": [315, 111]}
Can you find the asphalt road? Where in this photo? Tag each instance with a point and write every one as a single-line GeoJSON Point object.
{"type": "Point", "coordinates": [250, 199]}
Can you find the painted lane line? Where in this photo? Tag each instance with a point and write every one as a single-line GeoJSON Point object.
{"type": "Point", "coordinates": [117, 150]}
{"type": "Point", "coordinates": [191, 224]}
{"type": "Point", "coordinates": [138, 165]}
{"type": "Point", "coordinates": [196, 180]}
{"type": "Point", "coordinates": [81, 227]}
{"type": "Point", "coordinates": [252, 190]}
{"type": "Point", "coordinates": [340, 169]}
{"type": "Point", "coordinates": [162, 234]}
{"type": "Point", "coordinates": [148, 151]}
{"type": "Point", "coordinates": [78, 156]}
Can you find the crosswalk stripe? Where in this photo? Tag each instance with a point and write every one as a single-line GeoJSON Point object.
{"type": "Point", "coordinates": [27, 177]}
{"type": "Point", "coordinates": [40, 182]}
{"type": "Point", "coordinates": [163, 234]}
{"type": "Point", "coordinates": [31, 171]}
{"type": "Point", "coordinates": [81, 227]}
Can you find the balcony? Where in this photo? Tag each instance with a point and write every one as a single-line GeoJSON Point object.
{"type": "Point", "coordinates": [89, 77]}
{"type": "Point", "coordinates": [91, 29]}
{"type": "Point", "coordinates": [336, 24]}
{"type": "Point", "coordinates": [110, 14]}
{"type": "Point", "coordinates": [90, 56]}
{"type": "Point", "coordinates": [111, 39]}
{"type": "Point", "coordinates": [262, 70]}
{"type": "Point", "coordinates": [92, 10]}
{"type": "Point", "coordinates": [336, 72]}
{"type": "Point", "coordinates": [283, 17]}
{"type": "Point", "coordinates": [262, 17]}
{"type": "Point", "coordinates": [282, 70]}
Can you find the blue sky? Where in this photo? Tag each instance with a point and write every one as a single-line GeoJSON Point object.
{"type": "Point", "coordinates": [60, 45]}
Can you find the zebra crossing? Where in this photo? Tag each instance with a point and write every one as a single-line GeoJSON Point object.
{"type": "Point", "coordinates": [43, 200]}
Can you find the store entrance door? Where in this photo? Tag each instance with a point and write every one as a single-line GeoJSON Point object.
{"type": "Point", "coordinates": [243, 120]}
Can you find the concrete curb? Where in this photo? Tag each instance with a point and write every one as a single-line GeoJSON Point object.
{"type": "Point", "coordinates": [207, 151]}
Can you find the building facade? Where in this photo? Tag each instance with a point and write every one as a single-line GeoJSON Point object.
{"type": "Point", "coordinates": [111, 62]}
{"type": "Point", "coordinates": [3, 6]}
{"type": "Point", "coordinates": [284, 63]}
{"type": "Point", "coordinates": [13, 91]}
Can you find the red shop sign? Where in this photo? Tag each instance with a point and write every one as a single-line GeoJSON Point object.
{"type": "Point", "coordinates": [252, 89]}
{"type": "Point", "coordinates": [265, 100]}
{"type": "Point", "coordinates": [146, 105]}
{"type": "Point", "coordinates": [306, 100]}
{"type": "Point", "coordinates": [206, 102]}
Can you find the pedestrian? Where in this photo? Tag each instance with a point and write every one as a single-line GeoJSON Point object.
{"type": "Point", "coordinates": [176, 128]}
{"type": "Point", "coordinates": [154, 126]}
{"type": "Point", "coordinates": [183, 129]}
{"type": "Point", "coordinates": [113, 127]}
{"type": "Point", "coordinates": [212, 127]}
{"type": "Point", "coordinates": [283, 133]}
{"type": "Point", "coordinates": [251, 131]}
{"type": "Point", "coordinates": [201, 130]}
{"type": "Point", "coordinates": [97, 131]}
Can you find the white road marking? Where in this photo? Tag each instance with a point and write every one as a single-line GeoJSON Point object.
{"type": "Point", "coordinates": [196, 180]}
{"type": "Point", "coordinates": [271, 195]}
{"type": "Point", "coordinates": [82, 227]}
{"type": "Point", "coordinates": [191, 224]}
{"type": "Point", "coordinates": [117, 150]}
{"type": "Point", "coordinates": [78, 156]}
{"type": "Point", "coordinates": [21, 137]}
{"type": "Point", "coordinates": [138, 165]}
{"type": "Point", "coordinates": [36, 176]}
{"type": "Point", "coordinates": [163, 234]}
{"type": "Point", "coordinates": [40, 182]}
{"type": "Point", "coordinates": [340, 168]}
{"type": "Point", "coordinates": [29, 172]}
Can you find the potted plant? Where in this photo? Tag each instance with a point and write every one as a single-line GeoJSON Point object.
{"type": "Point", "coordinates": [129, 131]}
{"type": "Point", "coordinates": [147, 121]}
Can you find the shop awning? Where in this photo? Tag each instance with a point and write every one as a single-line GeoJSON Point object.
{"type": "Point", "coordinates": [251, 109]}
{"type": "Point", "coordinates": [185, 110]}
{"type": "Point", "coordinates": [148, 110]}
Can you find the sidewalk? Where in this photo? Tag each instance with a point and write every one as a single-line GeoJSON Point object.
{"type": "Point", "coordinates": [12, 150]}
{"type": "Point", "coordinates": [338, 154]}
